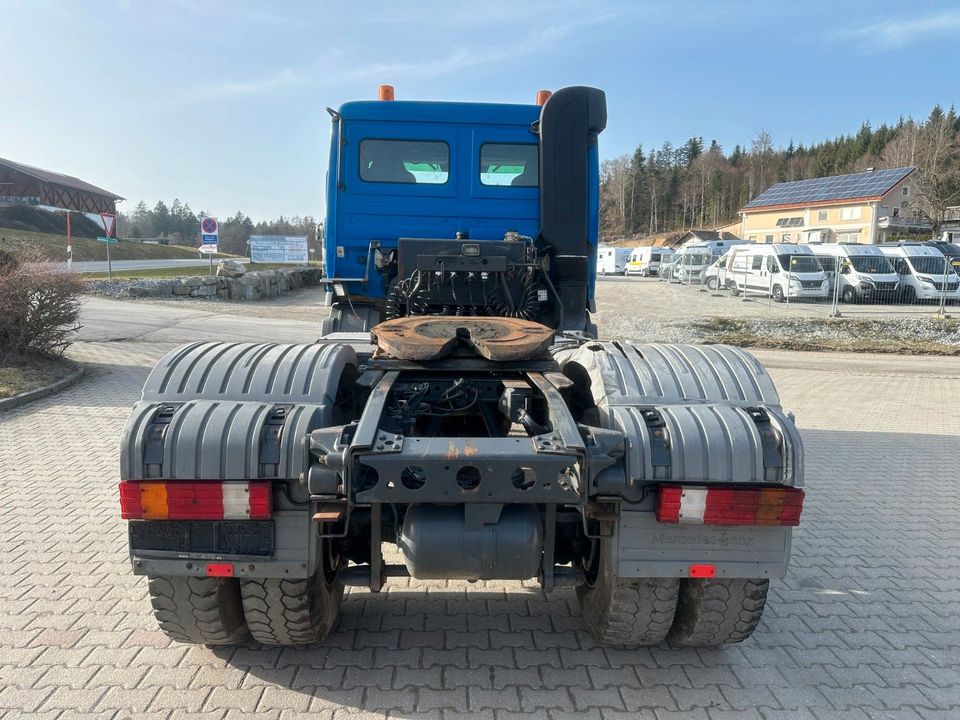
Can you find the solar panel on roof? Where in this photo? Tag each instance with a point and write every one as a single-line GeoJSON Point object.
{"type": "Point", "coordinates": [838, 187]}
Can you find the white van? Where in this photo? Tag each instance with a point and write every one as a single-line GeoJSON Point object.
{"type": "Point", "coordinates": [645, 261]}
{"type": "Point", "coordinates": [695, 259]}
{"type": "Point", "coordinates": [863, 271]}
{"type": "Point", "coordinates": [923, 270]}
{"type": "Point", "coordinates": [715, 276]}
{"type": "Point", "coordinates": [612, 260]}
{"type": "Point", "coordinates": [779, 271]}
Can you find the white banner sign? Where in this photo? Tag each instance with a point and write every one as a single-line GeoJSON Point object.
{"type": "Point", "coordinates": [278, 249]}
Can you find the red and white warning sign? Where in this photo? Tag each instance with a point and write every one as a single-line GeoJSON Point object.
{"type": "Point", "coordinates": [109, 220]}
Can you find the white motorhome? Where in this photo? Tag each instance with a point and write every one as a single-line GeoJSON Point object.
{"type": "Point", "coordinates": [925, 274]}
{"type": "Point", "coordinates": [863, 272]}
{"type": "Point", "coordinates": [715, 276]}
{"type": "Point", "coordinates": [645, 261]}
{"type": "Point", "coordinates": [696, 258]}
{"type": "Point", "coordinates": [779, 271]}
{"type": "Point", "coordinates": [612, 260]}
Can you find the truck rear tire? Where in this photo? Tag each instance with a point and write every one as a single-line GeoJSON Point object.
{"type": "Point", "coordinates": [200, 610]}
{"type": "Point", "coordinates": [626, 612]}
{"type": "Point", "coordinates": [717, 612]}
{"type": "Point", "coordinates": [291, 611]}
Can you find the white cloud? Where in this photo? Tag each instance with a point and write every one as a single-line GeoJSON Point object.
{"type": "Point", "coordinates": [898, 33]}
{"type": "Point", "coordinates": [256, 86]}
{"type": "Point", "coordinates": [336, 68]}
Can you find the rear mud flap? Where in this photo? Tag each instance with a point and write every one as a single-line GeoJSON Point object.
{"type": "Point", "coordinates": [646, 548]}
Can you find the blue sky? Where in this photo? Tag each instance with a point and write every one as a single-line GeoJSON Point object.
{"type": "Point", "coordinates": [221, 103]}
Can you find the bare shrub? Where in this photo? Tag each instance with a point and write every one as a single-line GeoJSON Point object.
{"type": "Point", "coordinates": [39, 306]}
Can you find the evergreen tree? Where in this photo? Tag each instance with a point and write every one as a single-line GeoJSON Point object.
{"type": "Point", "coordinates": [161, 219]}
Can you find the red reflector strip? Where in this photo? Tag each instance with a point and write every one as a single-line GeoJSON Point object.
{"type": "Point", "coordinates": [194, 501]}
{"type": "Point", "coordinates": [704, 570]}
{"type": "Point", "coordinates": [130, 506]}
{"type": "Point", "coordinates": [261, 500]}
{"type": "Point", "coordinates": [668, 505]}
{"type": "Point", "coordinates": [729, 506]}
{"type": "Point", "coordinates": [219, 569]}
{"type": "Point", "coordinates": [177, 500]}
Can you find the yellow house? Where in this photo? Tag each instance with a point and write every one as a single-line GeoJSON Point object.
{"type": "Point", "coordinates": [866, 207]}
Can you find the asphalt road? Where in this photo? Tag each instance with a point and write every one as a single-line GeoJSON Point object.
{"type": "Point", "coordinates": [98, 266]}
{"type": "Point", "coordinates": [118, 321]}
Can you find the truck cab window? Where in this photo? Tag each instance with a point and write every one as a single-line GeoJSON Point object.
{"type": "Point", "coordinates": [405, 161]}
{"type": "Point", "coordinates": [509, 164]}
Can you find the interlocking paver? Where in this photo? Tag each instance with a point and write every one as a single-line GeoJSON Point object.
{"type": "Point", "coordinates": [866, 625]}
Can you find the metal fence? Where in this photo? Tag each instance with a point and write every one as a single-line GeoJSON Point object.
{"type": "Point", "coordinates": [930, 287]}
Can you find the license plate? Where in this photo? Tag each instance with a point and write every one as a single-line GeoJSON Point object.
{"type": "Point", "coordinates": [202, 537]}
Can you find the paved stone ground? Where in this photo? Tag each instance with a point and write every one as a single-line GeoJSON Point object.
{"type": "Point", "coordinates": [866, 626]}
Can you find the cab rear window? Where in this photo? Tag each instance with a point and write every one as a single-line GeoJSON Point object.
{"type": "Point", "coordinates": [509, 164]}
{"type": "Point", "coordinates": [414, 162]}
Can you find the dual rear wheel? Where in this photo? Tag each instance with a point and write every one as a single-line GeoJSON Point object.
{"type": "Point", "coordinates": [228, 611]}
{"type": "Point", "coordinates": [633, 612]}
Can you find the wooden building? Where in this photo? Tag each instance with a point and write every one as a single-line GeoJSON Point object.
{"type": "Point", "coordinates": [25, 185]}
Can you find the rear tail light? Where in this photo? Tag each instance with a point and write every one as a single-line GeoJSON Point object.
{"type": "Point", "coordinates": [175, 500]}
{"type": "Point", "coordinates": [726, 506]}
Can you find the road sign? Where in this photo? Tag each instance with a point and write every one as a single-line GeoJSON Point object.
{"type": "Point", "coordinates": [209, 226]}
{"type": "Point", "coordinates": [108, 240]}
{"type": "Point", "coordinates": [209, 234]}
{"type": "Point", "coordinates": [108, 220]}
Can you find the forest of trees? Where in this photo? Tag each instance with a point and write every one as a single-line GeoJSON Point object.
{"type": "Point", "coordinates": [671, 189]}
{"type": "Point", "coordinates": [180, 225]}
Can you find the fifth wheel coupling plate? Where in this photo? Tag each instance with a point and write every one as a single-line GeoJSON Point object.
{"type": "Point", "coordinates": [431, 337]}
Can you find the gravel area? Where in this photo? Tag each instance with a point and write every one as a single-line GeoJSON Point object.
{"type": "Point", "coordinates": [652, 311]}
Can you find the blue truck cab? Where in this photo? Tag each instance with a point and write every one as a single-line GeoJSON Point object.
{"type": "Point", "coordinates": [455, 174]}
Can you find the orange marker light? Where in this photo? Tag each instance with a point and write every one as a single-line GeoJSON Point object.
{"type": "Point", "coordinates": [542, 96]}
{"type": "Point", "coordinates": [386, 92]}
{"type": "Point", "coordinates": [153, 499]}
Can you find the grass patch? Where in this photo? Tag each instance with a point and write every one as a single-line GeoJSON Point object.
{"type": "Point", "coordinates": [53, 248]}
{"type": "Point", "coordinates": [907, 336]}
{"type": "Point", "coordinates": [22, 374]}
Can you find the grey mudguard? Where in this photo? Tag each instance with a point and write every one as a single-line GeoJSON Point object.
{"type": "Point", "coordinates": [704, 394]}
{"type": "Point", "coordinates": [220, 397]}
{"type": "Point", "coordinates": [705, 400]}
{"type": "Point", "coordinates": [215, 400]}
